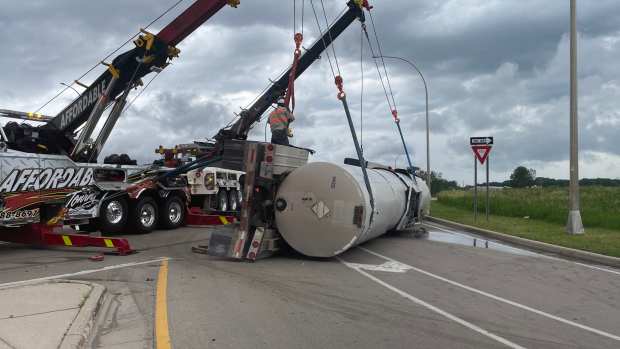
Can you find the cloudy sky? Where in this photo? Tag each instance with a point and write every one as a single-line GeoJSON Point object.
{"type": "Point", "coordinates": [494, 67]}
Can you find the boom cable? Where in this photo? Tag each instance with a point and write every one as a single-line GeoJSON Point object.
{"type": "Point", "coordinates": [362, 91]}
{"type": "Point", "coordinates": [108, 56]}
{"type": "Point", "coordinates": [329, 32]}
{"type": "Point", "coordinates": [318, 24]}
{"type": "Point", "coordinates": [387, 77]}
{"type": "Point", "coordinates": [392, 102]}
{"type": "Point", "coordinates": [372, 52]}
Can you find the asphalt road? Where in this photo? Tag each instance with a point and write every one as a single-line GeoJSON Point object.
{"type": "Point", "coordinates": [395, 291]}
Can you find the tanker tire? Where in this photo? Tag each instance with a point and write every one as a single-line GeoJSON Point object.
{"type": "Point", "coordinates": [143, 215]}
{"type": "Point", "coordinates": [172, 212]}
{"type": "Point", "coordinates": [113, 216]}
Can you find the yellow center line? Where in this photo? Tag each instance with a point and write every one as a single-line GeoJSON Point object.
{"type": "Point", "coordinates": [162, 333]}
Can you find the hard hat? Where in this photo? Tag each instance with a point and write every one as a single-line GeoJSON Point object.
{"type": "Point", "coordinates": [280, 101]}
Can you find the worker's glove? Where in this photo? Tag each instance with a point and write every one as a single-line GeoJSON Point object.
{"type": "Point", "coordinates": [290, 132]}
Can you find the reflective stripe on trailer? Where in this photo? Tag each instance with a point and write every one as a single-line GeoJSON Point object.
{"type": "Point", "coordinates": [197, 218]}
{"type": "Point", "coordinates": [67, 240]}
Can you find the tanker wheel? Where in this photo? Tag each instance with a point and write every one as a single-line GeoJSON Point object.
{"type": "Point", "coordinates": [233, 200]}
{"type": "Point", "coordinates": [222, 201]}
{"type": "Point", "coordinates": [144, 215]}
{"type": "Point", "coordinates": [172, 212]}
{"type": "Point", "coordinates": [113, 216]}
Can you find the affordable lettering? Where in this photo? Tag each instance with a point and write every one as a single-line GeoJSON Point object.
{"type": "Point", "coordinates": [84, 102]}
{"type": "Point", "coordinates": [47, 178]}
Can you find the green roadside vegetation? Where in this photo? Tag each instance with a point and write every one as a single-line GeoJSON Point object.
{"type": "Point", "coordinates": [540, 214]}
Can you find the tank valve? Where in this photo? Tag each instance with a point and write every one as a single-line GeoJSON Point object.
{"type": "Point", "coordinates": [280, 204]}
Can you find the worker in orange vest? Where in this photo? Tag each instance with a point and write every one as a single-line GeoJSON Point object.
{"type": "Point", "coordinates": [279, 120]}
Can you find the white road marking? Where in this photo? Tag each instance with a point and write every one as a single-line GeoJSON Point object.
{"type": "Point", "coordinates": [390, 267]}
{"type": "Point", "coordinates": [83, 272]}
{"type": "Point", "coordinates": [431, 307]}
{"type": "Point", "coordinates": [500, 299]}
{"type": "Point", "coordinates": [590, 266]}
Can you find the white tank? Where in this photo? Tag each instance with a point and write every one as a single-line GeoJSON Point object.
{"type": "Point", "coordinates": [323, 209]}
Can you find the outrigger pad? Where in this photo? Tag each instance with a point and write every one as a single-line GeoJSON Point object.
{"type": "Point", "coordinates": [220, 245]}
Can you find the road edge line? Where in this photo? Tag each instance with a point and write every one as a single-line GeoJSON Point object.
{"type": "Point", "coordinates": [162, 330]}
{"type": "Point", "coordinates": [533, 244]}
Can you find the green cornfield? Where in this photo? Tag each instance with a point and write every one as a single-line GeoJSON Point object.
{"type": "Point", "coordinates": [600, 206]}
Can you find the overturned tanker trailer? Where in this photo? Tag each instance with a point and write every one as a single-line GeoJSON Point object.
{"type": "Point", "coordinates": [319, 209]}
{"type": "Point", "coordinates": [323, 209]}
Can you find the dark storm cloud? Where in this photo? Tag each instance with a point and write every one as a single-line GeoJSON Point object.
{"type": "Point", "coordinates": [493, 67]}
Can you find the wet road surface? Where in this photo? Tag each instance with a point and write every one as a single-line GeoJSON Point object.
{"type": "Point", "coordinates": [396, 291]}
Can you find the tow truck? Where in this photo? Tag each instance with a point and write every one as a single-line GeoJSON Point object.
{"type": "Point", "coordinates": [212, 190]}
{"type": "Point", "coordinates": [49, 175]}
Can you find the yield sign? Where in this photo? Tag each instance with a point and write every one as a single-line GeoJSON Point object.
{"type": "Point", "coordinates": [482, 152]}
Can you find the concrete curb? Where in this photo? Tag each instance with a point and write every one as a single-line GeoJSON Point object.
{"type": "Point", "coordinates": [83, 324]}
{"type": "Point", "coordinates": [533, 245]}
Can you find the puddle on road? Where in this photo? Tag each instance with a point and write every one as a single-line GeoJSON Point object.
{"type": "Point", "coordinates": [472, 241]}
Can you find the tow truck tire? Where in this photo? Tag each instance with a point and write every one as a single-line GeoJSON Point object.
{"type": "Point", "coordinates": [222, 201]}
{"type": "Point", "coordinates": [172, 212]}
{"type": "Point", "coordinates": [143, 216]}
{"type": "Point", "coordinates": [113, 216]}
{"type": "Point", "coordinates": [233, 200]}
{"type": "Point", "coordinates": [240, 198]}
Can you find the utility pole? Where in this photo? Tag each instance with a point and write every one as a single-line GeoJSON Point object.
{"type": "Point", "coordinates": [574, 224]}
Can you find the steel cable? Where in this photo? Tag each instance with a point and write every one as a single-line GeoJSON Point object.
{"type": "Point", "coordinates": [108, 56]}
{"type": "Point", "coordinates": [387, 77]}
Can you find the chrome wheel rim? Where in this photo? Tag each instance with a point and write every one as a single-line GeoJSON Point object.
{"type": "Point", "coordinates": [114, 212]}
{"type": "Point", "coordinates": [233, 201]}
{"type": "Point", "coordinates": [174, 212]}
{"type": "Point", "coordinates": [147, 215]}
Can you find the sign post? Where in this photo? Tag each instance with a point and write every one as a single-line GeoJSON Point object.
{"type": "Point", "coordinates": [481, 146]}
{"type": "Point", "coordinates": [475, 189]}
{"type": "Point", "coordinates": [487, 199]}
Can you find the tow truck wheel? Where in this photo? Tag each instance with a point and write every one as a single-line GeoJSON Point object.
{"type": "Point", "coordinates": [222, 201]}
{"type": "Point", "coordinates": [144, 216]}
{"type": "Point", "coordinates": [240, 198]}
{"type": "Point", "coordinates": [113, 216]}
{"type": "Point", "coordinates": [233, 200]}
{"type": "Point", "coordinates": [172, 212]}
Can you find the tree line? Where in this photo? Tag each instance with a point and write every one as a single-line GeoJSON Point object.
{"type": "Point", "coordinates": [521, 177]}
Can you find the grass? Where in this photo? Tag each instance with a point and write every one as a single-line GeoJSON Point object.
{"type": "Point", "coordinates": [598, 240]}
{"type": "Point", "coordinates": [600, 206]}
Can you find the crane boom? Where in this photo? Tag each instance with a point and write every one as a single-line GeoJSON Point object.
{"type": "Point", "coordinates": [151, 54]}
{"type": "Point", "coordinates": [240, 129]}
{"type": "Point", "coordinates": [248, 117]}
{"type": "Point", "coordinates": [24, 116]}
